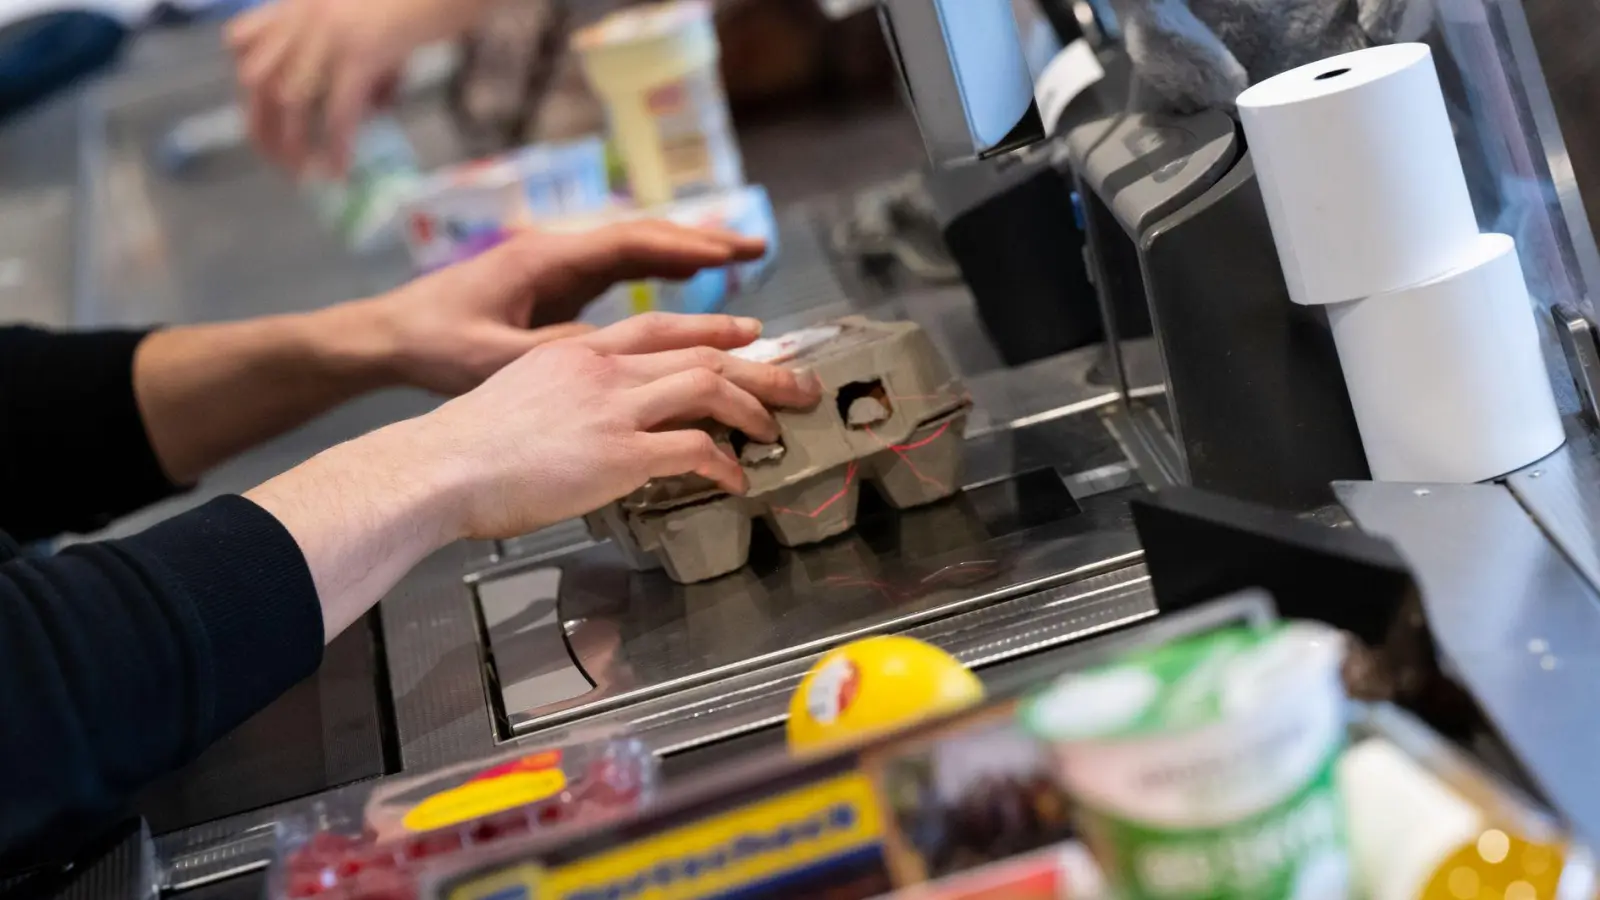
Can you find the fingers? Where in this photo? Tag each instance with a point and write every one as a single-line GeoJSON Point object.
{"type": "Point", "coordinates": [260, 72]}
{"type": "Point", "coordinates": [658, 332]}
{"type": "Point", "coordinates": [261, 62]}
{"type": "Point", "coordinates": [541, 336]}
{"type": "Point", "coordinates": [697, 395]}
{"type": "Point", "coordinates": [265, 130]}
{"type": "Point", "coordinates": [745, 247]}
{"type": "Point", "coordinates": [299, 90]}
{"type": "Point", "coordinates": [774, 386]}
{"type": "Point", "coordinates": [680, 452]}
{"type": "Point", "coordinates": [347, 105]}
{"type": "Point", "coordinates": [657, 249]}
{"type": "Point", "coordinates": [244, 29]}
{"type": "Point", "coordinates": [517, 341]}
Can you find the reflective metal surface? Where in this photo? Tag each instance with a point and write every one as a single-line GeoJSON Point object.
{"type": "Point", "coordinates": [1515, 622]}
{"type": "Point", "coordinates": [638, 635]}
{"type": "Point", "coordinates": [1007, 630]}
{"type": "Point", "coordinates": [1576, 336]}
{"type": "Point", "coordinates": [1562, 493]}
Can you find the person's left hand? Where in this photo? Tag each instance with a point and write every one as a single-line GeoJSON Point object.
{"type": "Point", "coordinates": [311, 70]}
{"type": "Point", "coordinates": [448, 331]}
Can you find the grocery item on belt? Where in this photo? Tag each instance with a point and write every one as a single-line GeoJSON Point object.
{"type": "Point", "coordinates": [379, 850]}
{"type": "Point", "coordinates": [1059, 873]}
{"type": "Point", "coordinates": [363, 207]}
{"type": "Point", "coordinates": [1413, 837]}
{"type": "Point", "coordinates": [460, 211]}
{"type": "Point", "coordinates": [874, 685]}
{"type": "Point", "coordinates": [746, 210]}
{"type": "Point", "coordinates": [892, 414]}
{"type": "Point", "coordinates": [1205, 768]}
{"type": "Point", "coordinates": [655, 68]}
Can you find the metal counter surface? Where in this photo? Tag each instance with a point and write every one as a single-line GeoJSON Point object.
{"type": "Point", "coordinates": [1515, 620]}
{"type": "Point", "coordinates": [637, 635]}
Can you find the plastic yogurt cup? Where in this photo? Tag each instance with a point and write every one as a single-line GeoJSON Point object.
{"type": "Point", "coordinates": [1205, 768]}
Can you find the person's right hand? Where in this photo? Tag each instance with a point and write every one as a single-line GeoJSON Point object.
{"type": "Point", "coordinates": [563, 430]}
{"type": "Point", "coordinates": [578, 423]}
{"type": "Point", "coordinates": [300, 61]}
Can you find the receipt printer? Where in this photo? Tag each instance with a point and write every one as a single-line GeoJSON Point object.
{"type": "Point", "coordinates": [1180, 248]}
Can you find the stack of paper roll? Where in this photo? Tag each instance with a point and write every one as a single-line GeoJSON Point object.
{"type": "Point", "coordinates": [1370, 213]}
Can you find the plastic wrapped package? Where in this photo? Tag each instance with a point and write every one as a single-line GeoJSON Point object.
{"type": "Point", "coordinates": [380, 850]}
{"type": "Point", "coordinates": [460, 211]}
{"type": "Point", "coordinates": [746, 210]}
{"type": "Point", "coordinates": [465, 210]}
{"type": "Point", "coordinates": [363, 206]}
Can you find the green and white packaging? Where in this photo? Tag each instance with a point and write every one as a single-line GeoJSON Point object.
{"type": "Point", "coordinates": [1205, 768]}
{"type": "Point", "coordinates": [363, 208]}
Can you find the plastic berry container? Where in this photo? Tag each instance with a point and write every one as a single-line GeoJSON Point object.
{"type": "Point", "coordinates": [347, 850]}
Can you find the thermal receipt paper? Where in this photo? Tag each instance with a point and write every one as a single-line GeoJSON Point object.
{"type": "Point", "coordinates": [1362, 181]}
{"type": "Point", "coordinates": [1446, 378]}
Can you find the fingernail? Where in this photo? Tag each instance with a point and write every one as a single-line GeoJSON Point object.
{"type": "Point", "coordinates": [749, 326]}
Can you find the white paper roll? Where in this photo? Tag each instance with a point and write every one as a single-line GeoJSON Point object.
{"type": "Point", "coordinates": [1446, 378]}
{"type": "Point", "coordinates": [1362, 181]}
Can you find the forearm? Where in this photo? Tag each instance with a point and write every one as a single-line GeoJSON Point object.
{"type": "Point", "coordinates": [363, 514]}
{"type": "Point", "coordinates": [210, 392]}
{"type": "Point", "coordinates": [122, 660]}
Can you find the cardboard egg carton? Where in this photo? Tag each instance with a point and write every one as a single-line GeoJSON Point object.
{"type": "Point", "coordinates": [891, 414]}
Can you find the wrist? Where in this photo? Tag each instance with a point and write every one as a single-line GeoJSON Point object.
{"type": "Point", "coordinates": [363, 514]}
{"type": "Point", "coordinates": [357, 343]}
{"type": "Point", "coordinates": [432, 489]}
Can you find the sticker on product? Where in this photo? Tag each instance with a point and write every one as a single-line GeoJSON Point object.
{"type": "Point", "coordinates": [833, 690]}
{"type": "Point", "coordinates": [788, 346]}
{"type": "Point", "coordinates": [516, 783]}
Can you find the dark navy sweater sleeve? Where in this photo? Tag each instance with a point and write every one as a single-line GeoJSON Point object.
{"type": "Point", "coordinates": [121, 660]}
{"type": "Point", "coordinates": [74, 454]}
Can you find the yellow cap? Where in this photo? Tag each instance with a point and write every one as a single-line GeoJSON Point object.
{"type": "Point", "coordinates": [874, 685]}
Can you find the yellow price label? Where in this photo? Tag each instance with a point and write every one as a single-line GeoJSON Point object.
{"type": "Point", "coordinates": [482, 798]}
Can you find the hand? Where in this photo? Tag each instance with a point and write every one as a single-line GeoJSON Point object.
{"type": "Point", "coordinates": [565, 429]}
{"type": "Point", "coordinates": [297, 59]}
{"type": "Point", "coordinates": [451, 330]}
{"type": "Point", "coordinates": [579, 423]}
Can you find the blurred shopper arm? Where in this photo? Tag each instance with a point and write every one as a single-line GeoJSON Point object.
{"type": "Point", "coordinates": [93, 426]}
{"type": "Point", "coordinates": [311, 70]}
{"type": "Point", "coordinates": [121, 660]}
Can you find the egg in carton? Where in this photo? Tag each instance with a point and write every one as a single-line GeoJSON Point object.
{"type": "Point", "coordinates": [891, 414]}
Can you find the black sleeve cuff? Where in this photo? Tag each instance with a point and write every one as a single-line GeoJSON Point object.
{"type": "Point", "coordinates": [250, 587]}
{"type": "Point", "coordinates": [75, 454]}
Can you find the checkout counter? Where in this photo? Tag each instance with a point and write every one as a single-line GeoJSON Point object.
{"type": "Point", "coordinates": [552, 636]}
